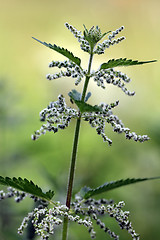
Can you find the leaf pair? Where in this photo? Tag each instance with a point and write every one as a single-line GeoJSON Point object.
{"type": "Point", "coordinates": [110, 64]}
{"type": "Point", "coordinates": [86, 192]}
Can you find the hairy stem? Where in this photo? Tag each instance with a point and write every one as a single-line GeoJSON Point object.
{"type": "Point", "coordinates": [74, 153]}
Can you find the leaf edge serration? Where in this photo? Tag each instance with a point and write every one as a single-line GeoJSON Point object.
{"type": "Point", "coordinates": [26, 186]}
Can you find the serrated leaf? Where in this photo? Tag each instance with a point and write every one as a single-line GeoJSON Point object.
{"type": "Point", "coordinates": [26, 186]}
{"type": "Point", "coordinates": [83, 107]}
{"type": "Point", "coordinates": [112, 185]}
{"type": "Point", "coordinates": [122, 62]}
{"type": "Point", "coordinates": [62, 51]}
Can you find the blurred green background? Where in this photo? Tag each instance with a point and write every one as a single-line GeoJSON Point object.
{"type": "Point", "coordinates": [24, 92]}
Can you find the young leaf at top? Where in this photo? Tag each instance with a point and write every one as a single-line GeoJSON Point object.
{"type": "Point", "coordinates": [88, 192]}
{"type": "Point", "coordinates": [104, 34]}
{"type": "Point", "coordinates": [86, 33]}
{"type": "Point", "coordinates": [26, 186]}
{"type": "Point", "coordinates": [122, 62]}
{"type": "Point", "coordinates": [62, 51]}
{"type": "Point", "coordinates": [93, 36]}
{"type": "Point", "coordinates": [83, 107]}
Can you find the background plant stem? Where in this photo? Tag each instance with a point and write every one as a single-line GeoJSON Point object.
{"type": "Point", "coordinates": [74, 152]}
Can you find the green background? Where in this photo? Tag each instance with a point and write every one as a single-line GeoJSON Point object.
{"type": "Point", "coordinates": [24, 92]}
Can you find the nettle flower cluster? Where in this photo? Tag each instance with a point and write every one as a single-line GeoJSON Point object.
{"type": "Point", "coordinates": [96, 34]}
{"type": "Point", "coordinates": [88, 213]}
{"type": "Point", "coordinates": [58, 115]}
{"type": "Point", "coordinates": [72, 70]}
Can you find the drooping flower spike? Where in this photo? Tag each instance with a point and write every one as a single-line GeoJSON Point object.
{"type": "Point", "coordinates": [58, 116]}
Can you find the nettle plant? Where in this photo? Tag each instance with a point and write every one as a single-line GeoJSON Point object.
{"type": "Point", "coordinates": [82, 208]}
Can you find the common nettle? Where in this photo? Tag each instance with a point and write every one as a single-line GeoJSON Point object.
{"type": "Point", "coordinates": [82, 208]}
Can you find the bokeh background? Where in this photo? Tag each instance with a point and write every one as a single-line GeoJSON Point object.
{"type": "Point", "coordinates": [24, 92]}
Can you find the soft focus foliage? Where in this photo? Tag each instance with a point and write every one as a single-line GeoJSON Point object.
{"type": "Point", "coordinates": [24, 91]}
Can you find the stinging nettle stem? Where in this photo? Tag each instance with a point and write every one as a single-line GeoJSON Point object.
{"type": "Point", "coordinates": [73, 160]}
{"type": "Point", "coordinates": [87, 77]}
{"type": "Point", "coordinates": [76, 137]}
{"type": "Point", "coordinates": [74, 152]}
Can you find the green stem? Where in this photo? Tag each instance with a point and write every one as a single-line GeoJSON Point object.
{"type": "Point", "coordinates": [73, 161]}
{"type": "Point", "coordinates": [65, 227]}
{"type": "Point", "coordinates": [74, 153]}
{"type": "Point", "coordinates": [87, 78]}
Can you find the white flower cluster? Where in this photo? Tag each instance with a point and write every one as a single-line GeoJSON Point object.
{"type": "Point", "coordinates": [18, 195]}
{"type": "Point", "coordinates": [110, 76]}
{"type": "Point", "coordinates": [96, 208]}
{"type": "Point", "coordinates": [72, 70]}
{"type": "Point", "coordinates": [83, 212]}
{"type": "Point", "coordinates": [122, 218]}
{"type": "Point", "coordinates": [58, 116]}
{"type": "Point", "coordinates": [114, 33]}
{"type": "Point", "coordinates": [107, 43]}
{"type": "Point", "coordinates": [78, 34]}
{"type": "Point", "coordinates": [99, 119]}
{"type": "Point", "coordinates": [45, 220]}
{"type": "Point", "coordinates": [96, 35]}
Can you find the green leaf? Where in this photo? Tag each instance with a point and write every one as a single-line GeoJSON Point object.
{"type": "Point", "coordinates": [91, 38]}
{"type": "Point", "coordinates": [122, 62]}
{"type": "Point", "coordinates": [87, 37]}
{"type": "Point", "coordinates": [83, 107]}
{"type": "Point", "coordinates": [88, 192]}
{"type": "Point", "coordinates": [26, 186]}
{"type": "Point", "coordinates": [62, 51]}
{"type": "Point", "coordinates": [75, 95]}
{"type": "Point", "coordinates": [86, 30]}
{"type": "Point", "coordinates": [87, 96]}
